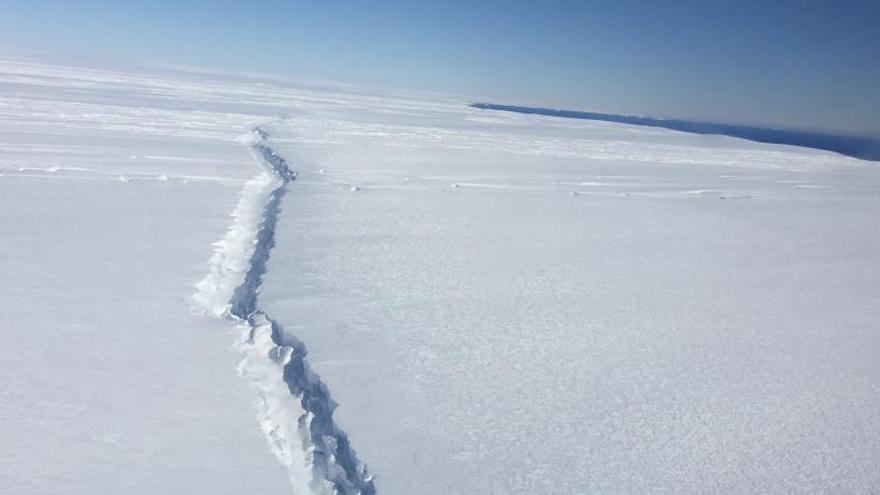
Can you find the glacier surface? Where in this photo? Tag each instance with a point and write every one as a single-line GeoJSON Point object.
{"type": "Point", "coordinates": [498, 302]}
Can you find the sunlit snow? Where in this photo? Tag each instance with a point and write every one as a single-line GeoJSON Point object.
{"type": "Point", "coordinates": [497, 302]}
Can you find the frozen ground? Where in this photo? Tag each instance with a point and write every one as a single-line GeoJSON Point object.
{"type": "Point", "coordinates": [500, 303]}
{"type": "Point", "coordinates": [109, 383]}
{"type": "Point", "coordinates": [522, 304]}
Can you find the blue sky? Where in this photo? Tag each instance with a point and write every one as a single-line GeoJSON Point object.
{"type": "Point", "coordinates": [812, 64]}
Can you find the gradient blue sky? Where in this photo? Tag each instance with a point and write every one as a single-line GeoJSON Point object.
{"type": "Point", "coordinates": [811, 64]}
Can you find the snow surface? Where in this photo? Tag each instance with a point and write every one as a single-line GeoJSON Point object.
{"type": "Point", "coordinates": [109, 382]}
{"type": "Point", "coordinates": [499, 303]}
{"type": "Point", "coordinates": [522, 304]}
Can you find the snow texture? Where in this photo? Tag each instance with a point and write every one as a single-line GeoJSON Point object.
{"type": "Point", "coordinates": [113, 188]}
{"type": "Point", "coordinates": [526, 304]}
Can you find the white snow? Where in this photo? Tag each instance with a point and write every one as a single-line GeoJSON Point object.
{"type": "Point", "coordinates": [509, 304]}
{"type": "Point", "coordinates": [109, 382]}
{"type": "Point", "coordinates": [589, 308]}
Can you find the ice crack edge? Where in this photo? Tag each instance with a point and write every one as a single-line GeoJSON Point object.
{"type": "Point", "coordinates": [295, 411]}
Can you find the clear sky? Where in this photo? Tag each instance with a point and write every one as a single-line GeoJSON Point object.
{"type": "Point", "coordinates": [805, 63]}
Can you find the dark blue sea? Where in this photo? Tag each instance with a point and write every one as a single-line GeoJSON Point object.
{"type": "Point", "coordinates": [863, 147]}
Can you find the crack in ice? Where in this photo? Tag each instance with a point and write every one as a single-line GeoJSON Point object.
{"type": "Point", "coordinates": [296, 411]}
